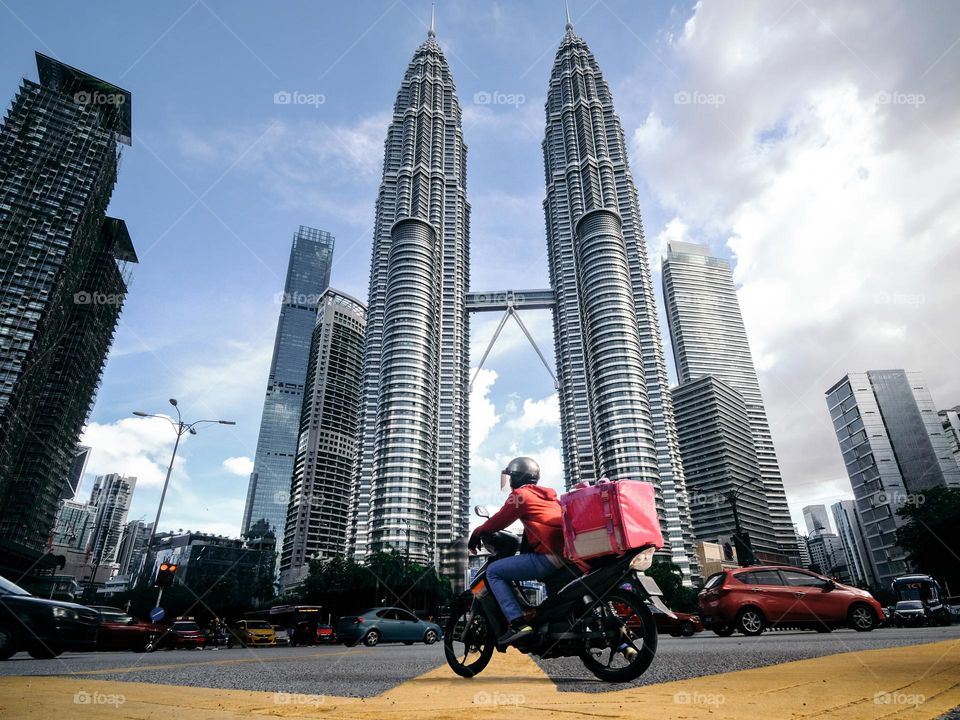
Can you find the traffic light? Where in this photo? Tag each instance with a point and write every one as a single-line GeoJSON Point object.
{"type": "Point", "coordinates": [165, 575]}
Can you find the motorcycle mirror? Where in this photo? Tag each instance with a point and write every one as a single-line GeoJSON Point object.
{"type": "Point", "coordinates": [481, 511]}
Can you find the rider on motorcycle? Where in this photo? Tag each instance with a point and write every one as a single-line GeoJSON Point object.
{"type": "Point", "coordinates": [542, 548]}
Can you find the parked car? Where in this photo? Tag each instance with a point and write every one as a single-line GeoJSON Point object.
{"type": "Point", "coordinates": [909, 613]}
{"type": "Point", "coordinates": [752, 599]}
{"type": "Point", "coordinates": [386, 624]}
{"type": "Point", "coordinates": [684, 624]}
{"type": "Point", "coordinates": [44, 628]}
{"type": "Point", "coordinates": [258, 633]}
{"type": "Point", "coordinates": [326, 635]}
{"type": "Point", "coordinates": [184, 634]}
{"type": "Point", "coordinates": [283, 635]}
{"type": "Point", "coordinates": [121, 631]}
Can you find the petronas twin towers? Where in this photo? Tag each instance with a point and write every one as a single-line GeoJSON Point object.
{"type": "Point", "coordinates": [412, 479]}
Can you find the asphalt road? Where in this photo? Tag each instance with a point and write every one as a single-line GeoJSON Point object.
{"type": "Point", "coordinates": [366, 672]}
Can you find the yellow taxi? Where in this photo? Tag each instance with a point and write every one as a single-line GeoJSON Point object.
{"type": "Point", "coordinates": [257, 633]}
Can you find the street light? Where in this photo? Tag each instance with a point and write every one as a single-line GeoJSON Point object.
{"type": "Point", "coordinates": [731, 497]}
{"type": "Point", "coordinates": [181, 428]}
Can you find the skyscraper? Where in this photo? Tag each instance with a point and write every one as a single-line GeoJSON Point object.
{"type": "Point", "coordinates": [816, 519]}
{"type": "Point", "coordinates": [412, 483]}
{"type": "Point", "coordinates": [133, 547]}
{"type": "Point", "coordinates": [708, 337]}
{"type": "Point", "coordinates": [615, 408]}
{"type": "Point", "coordinates": [308, 275]}
{"type": "Point", "coordinates": [850, 530]}
{"type": "Point", "coordinates": [74, 525]}
{"type": "Point", "coordinates": [894, 447]}
{"type": "Point", "coordinates": [111, 497]}
{"type": "Point", "coordinates": [63, 280]}
{"type": "Point", "coordinates": [319, 509]}
{"type": "Point", "coordinates": [721, 468]}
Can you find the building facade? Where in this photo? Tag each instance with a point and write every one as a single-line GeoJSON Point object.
{"type": "Point", "coordinates": [721, 466]}
{"type": "Point", "coordinates": [828, 557]}
{"type": "Point", "coordinates": [308, 275]}
{"type": "Point", "coordinates": [411, 487]}
{"type": "Point", "coordinates": [816, 519]}
{"type": "Point", "coordinates": [950, 422]}
{"type": "Point", "coordinates": [111, 496]}
{"type": "Point", "coordinates": [133, 547]}
{"type": "Point", "coordinates": [319, 509]}
{"type": "Point", "coordinates": [615, 408]}
{"type": "Point", "coordinates": [63, 279]}
{"type": "Point", "coordinates": [850, 531]}
{"type": "Point", "coordinates": [894, 448]}
{"type": "Point", "coordinates": [74, 525]}
{"type": "Point", "coordinates": [709, 338]}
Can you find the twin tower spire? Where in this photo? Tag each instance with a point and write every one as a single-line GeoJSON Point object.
{"type": "Point", "coordinates": [412, 484]}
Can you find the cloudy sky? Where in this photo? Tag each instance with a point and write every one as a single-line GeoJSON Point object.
{"type": "Point", "coordinates": [810, 142]}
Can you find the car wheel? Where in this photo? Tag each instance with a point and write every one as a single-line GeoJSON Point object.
{"type": "Point", "coordinates": [750, 621]}
{"type": "Point", "coordinates": [687, 629]}
{"type": "Point", "coordinates": [42, 652]}
{"type": "Point", "coordinates": [371, 638]}
{"type": "Point", "coordinates": [9, 642]}
{"type": "Point", "coordinates": [430, 637]}
{"type": "Point", "coordinates": [861, 618]}
{"type": "Point", "coordinates": [723, 630]}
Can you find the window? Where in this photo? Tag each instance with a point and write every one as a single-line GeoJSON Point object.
{"type": "Point", "coordinates": [800, 579]}
{"type": "Point", "coordinates": [760, 577]}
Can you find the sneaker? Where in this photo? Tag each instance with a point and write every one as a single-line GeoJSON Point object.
{"type": "Point", "coordinates": [519, 628]}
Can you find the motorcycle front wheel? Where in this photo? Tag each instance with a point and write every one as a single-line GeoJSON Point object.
{"type": "Point", "coordinates": [631, 638]}
{"type": "Point", "coordinates": [468, 641]}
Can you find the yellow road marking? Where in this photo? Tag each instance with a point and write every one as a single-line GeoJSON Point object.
{"type": "Point", "coordinates": [921, 681]}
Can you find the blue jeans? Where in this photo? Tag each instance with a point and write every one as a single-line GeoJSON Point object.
{"type": "Point", "coordinates": [526, 566]}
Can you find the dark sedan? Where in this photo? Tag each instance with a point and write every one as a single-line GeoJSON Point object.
{"type": "Point", "coordinates": [120, 631]}
{"type": "Point", "coordinates": [683, 623]}
{"type": "Point", "coordinates": [44, 628]}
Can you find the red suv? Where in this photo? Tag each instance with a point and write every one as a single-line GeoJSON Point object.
{"type": "Point", "coordinates": [752, 599]}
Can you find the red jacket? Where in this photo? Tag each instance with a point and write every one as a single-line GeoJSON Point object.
{"type": "Point", "coordinates": [539, 511]}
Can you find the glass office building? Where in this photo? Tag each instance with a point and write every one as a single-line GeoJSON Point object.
{"type": "Point", "coordinates": [709, 338]}
{"type": "Point", "coordinates": [894, 448]}
{"type": "Point", "coordinates": [308, 275]}
{"type": "Point", "coordinates": [64, 273]}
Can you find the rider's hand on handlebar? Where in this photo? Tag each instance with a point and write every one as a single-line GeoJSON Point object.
{"type": "Point", "coordinates": [474, 543]}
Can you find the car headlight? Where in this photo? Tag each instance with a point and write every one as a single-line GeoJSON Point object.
{"type": "Point", "coordinates": [66, 613]}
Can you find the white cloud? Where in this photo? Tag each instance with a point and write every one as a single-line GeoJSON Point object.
{"type": "Point", "coordinates": [140, 447]}
{"type": "Point", "coordinates": [483, 413]}
{"type": "Point", "coordinates": [828, 169]}
{"type": "Point", "coordinates": [241, 466]}
{"type": "Point", "coordinates": [538, 413]}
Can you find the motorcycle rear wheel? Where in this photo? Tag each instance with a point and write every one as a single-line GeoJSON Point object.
{"type": "Point", "coordinates": [636, 628]}
{"type": "Point", "coordinates": [467, 649]}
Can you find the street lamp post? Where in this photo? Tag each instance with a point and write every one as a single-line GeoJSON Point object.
{"type": "Point", "coordinates": [181, 428]}
{"type": "Point", "coordinates": [731, 497]}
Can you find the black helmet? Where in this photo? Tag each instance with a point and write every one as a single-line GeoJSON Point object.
{"type": "Point", "coordinates": [521, 471]}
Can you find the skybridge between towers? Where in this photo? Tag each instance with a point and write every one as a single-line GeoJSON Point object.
{"type": "Point", "coordinates": [508, 302]}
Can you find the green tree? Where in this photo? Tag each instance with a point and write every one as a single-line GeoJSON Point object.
{"type": "Point", "coordinates": [929, 535]}
{"type": "Point", "coordinates": [670, 579]}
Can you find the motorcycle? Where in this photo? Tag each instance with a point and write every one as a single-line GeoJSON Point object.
{"type": "Point", "coordinates": [601, 616]}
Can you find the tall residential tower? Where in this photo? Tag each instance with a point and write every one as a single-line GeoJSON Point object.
{"type": "Point", "coordinates": [308, 275]}
{"type": "Point", "coordinates": [709, 338]}
{"type": "Point", "coordinates": [615, 409]}
{"type": "Point", "coordinates": [64, 272]}
{"type": "Point", "coordinates": [411, 485]}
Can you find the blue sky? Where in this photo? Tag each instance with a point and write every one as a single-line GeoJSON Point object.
{"type": "Point", "coordinates": [784, 136]}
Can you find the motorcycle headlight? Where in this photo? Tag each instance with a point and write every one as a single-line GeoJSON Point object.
{"type": "Point", "coordinates": [65, 613]}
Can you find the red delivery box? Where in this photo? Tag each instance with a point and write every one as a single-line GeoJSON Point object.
{"type": "Point", "coordinates": [609, 518]}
